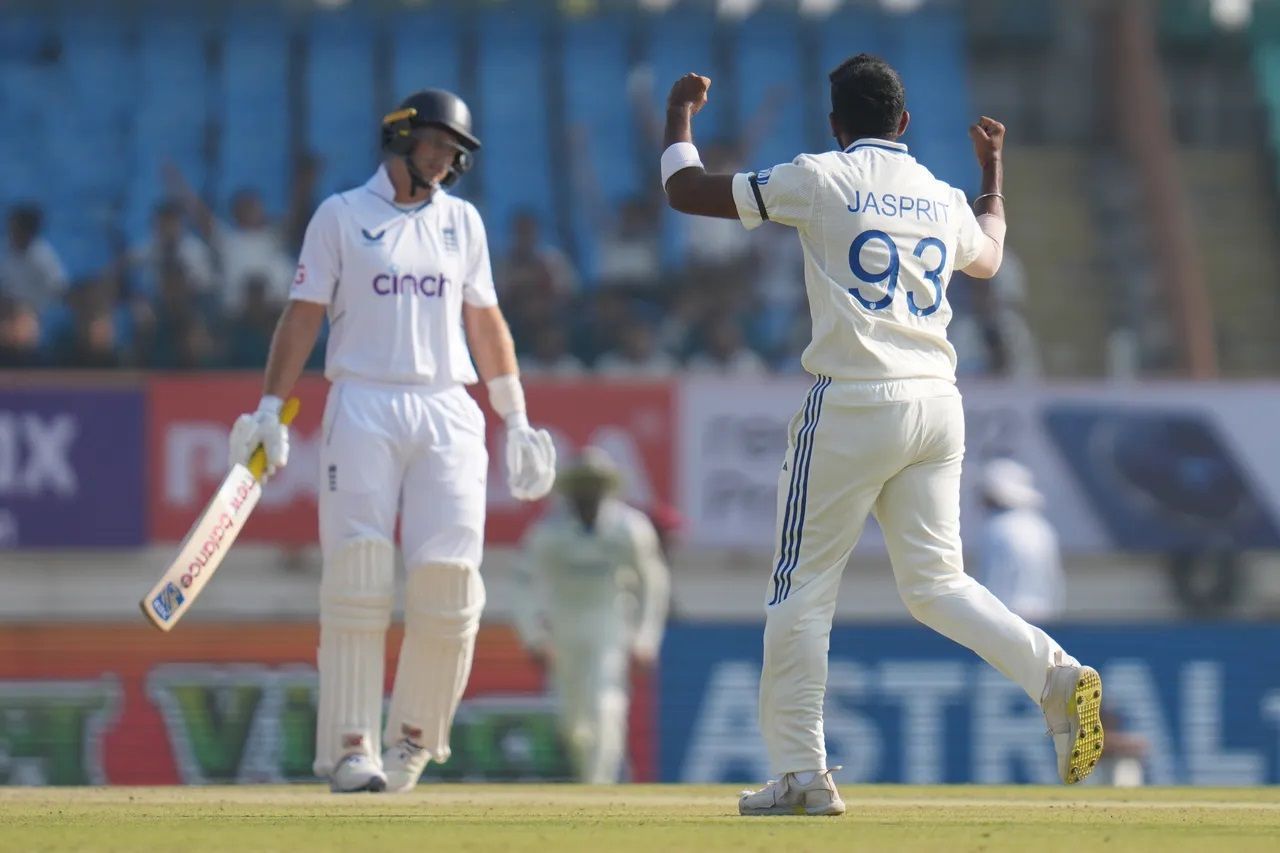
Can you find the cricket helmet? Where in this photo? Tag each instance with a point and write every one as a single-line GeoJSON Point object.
{"type": "Point", "coordinates": [431, 108]}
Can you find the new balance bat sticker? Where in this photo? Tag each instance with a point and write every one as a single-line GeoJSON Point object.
{"type": "Point", "coordinates": [207, 542]}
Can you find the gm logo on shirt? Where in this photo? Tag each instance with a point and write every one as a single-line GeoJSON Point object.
{"type": "Point", "coordinates": [394, 284]}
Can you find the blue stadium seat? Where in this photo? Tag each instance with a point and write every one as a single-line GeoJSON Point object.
{"type": "Point", "coordinates": [770, 77]}
{"type": "Point", "coordinates": [928, 51]}
{"type": "Point", "coordinates": [171, 109]}
{"type": "Point", "coordinates": [426, 53]}
{"type": "Point", "coordinates": [600, 117]}
{"type": "Point", "coordinates": [342, 108]}
{"type": "Point", "coordinates": [513, 123]}
{"type": "Point", "coordinates": [253, 109]}
{"type": "Point", "coordinates": [678, 42]}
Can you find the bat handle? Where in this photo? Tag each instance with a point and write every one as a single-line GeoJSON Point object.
{"type": "Point", "coordinates": [258, 461]}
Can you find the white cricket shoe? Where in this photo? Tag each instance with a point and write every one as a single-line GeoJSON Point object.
{"type": "Point", "coordinates": [1072, 700]}
{"type": "Point", "coordinates": [356, 772]}
{"type": "Point", "coordinates": [787, 796]}
{"type": "Point", "coordinates": [404, 764]}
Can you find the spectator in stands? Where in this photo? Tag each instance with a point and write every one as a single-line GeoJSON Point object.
{"type": "Point", "coordinates": [252, 328]}
{"type": "Point", "coordinates": [779, 304]}
{"type": "Point", "coordinates": [680, 322]}
{"type": "Point", "coordinates": [597, 323]}
{"type": "Point", "coordinates": [177, 335]}
{"type": "Point", "coordinates": [629, 259]}
{"type": "Point", "coordinates": [718, 251]}
{"type": "Point", "coordinates": [19, 334]}
{"type": "Point", "coordinates": [723, 353]}
{"type": "Point", "coordinates": [1020, 563]}
{"type": "Point", "coordinates": [171, 250]}
{"type": "Point", "coordinates": [550, 356]}
{"type": "Point", "coordinates": [535, 281]}
{"type": "Point", "coordinates": [637, 355]}
{"type": "Point", "coordinates": [30, 270]}
{"type": "Point", "coordinates": [89, 337]}
{"type": "Point", "coordinates": [989, 329]}
{"type": "Point", "coordinates": [249, 246]}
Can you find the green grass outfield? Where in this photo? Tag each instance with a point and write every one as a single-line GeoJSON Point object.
{"type": "Point", "coordinates": [649, 818]}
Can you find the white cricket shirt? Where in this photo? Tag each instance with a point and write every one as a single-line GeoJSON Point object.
{"type": "Point", "coordinates": [394, 280]}
{"type": "Point", "coordinates": [881, 237]}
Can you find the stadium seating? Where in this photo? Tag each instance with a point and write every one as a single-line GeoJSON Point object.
{"type": "Point", "coordinates": [601, 129]}
{"type": "Point", "coordinates": [342, 103]}
{"type": "Point", "coordinates": [253, 112]}
{"type": "Point", "coordinates": [516, 169]}
{"type": "Point", "coordinates": [207, 86]}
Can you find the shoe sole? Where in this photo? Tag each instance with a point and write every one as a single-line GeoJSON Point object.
{"type": "Point", "coordinates": [1087, 737]}
{"type": "Point", "coordinates": [832, 810]}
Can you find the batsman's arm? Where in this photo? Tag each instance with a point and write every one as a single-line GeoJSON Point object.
{"type": "Point", "coordinates": [489, 339]}
{"type": "Point", "coordinates": [690, 188]}
{"type": "Point", "coordinates": [291, 346]}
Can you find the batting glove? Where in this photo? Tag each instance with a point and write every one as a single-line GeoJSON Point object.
{"type": "Point", "coordinates": [531, 463]}
{"type": "Point", "coordinates": [263, 428]}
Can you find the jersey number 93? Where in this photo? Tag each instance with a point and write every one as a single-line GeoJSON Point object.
{"type": "Point", "coordinates": [890, 273]}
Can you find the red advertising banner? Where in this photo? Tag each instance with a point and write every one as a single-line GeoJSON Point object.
{"type": "Point", "coordinates": [120, 704]}
{"type": "Point", "coordinates": [189, 417]}
{"type": "Point", "coordinates": [632, 421]}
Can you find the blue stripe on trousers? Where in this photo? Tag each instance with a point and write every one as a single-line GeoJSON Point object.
{"type": "Point", "coordinates": [804, 495]}
{"type": "Point", "coordinates": [789, 546]}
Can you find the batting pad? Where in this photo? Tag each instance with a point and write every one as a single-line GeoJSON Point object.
{"type": "Point", "coordinates": [355, 610]}
{"type": "Point", "coordinates": [441, 617]}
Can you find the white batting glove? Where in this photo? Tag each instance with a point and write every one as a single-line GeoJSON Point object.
{"type": "Point", "coordinates": [262, 427]}
{"type": "Point", "coordinates": [531, 462]}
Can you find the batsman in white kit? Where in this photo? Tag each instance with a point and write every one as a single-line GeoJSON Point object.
{"type": "Point", "coordinates": [592, 596]}
{"type": "Point", "coordinates": [882, 428]}
{"type": "Point", "coordinates": [402, 270]}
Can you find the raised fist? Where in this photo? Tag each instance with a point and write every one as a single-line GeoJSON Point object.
{"type": "Point", "coordinates": [689, 91]}
{"type": "Point", "coordinates": [988, 140]}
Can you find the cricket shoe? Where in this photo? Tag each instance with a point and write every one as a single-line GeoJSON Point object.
{"type": "Point", "coordinates": [404, 764]}
{"type": "Point", "coordinates": [355, 773]}
{"type": "Point", "coordinates": [1072, 700]}
{"type": "Point", "coordinates": [787, 796]}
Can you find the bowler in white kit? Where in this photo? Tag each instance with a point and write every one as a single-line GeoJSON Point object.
{"type": "Point", "coordinates": [882, 428]}
{"type": "Point", "coordinates": [401, 268]}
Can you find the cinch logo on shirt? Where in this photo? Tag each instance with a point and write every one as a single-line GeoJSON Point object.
{"type": "Point", "coordinates": [386, 284]}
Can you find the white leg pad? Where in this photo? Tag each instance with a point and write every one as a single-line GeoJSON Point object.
{"type": "Point", "coordinates": [355, 611]}
{"type": "Point", "coordinates": [442, 609]}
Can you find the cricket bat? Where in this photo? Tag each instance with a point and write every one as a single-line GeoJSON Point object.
{"type": "Point", "coordinates": [207, 542]}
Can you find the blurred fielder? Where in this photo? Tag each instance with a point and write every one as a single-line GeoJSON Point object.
{"type": "Point", "coordinates": [592, 594]}
{"type": "Point", "coordinates": [401, 268]}
{"type": "Point", "coordinates": [882, 430]}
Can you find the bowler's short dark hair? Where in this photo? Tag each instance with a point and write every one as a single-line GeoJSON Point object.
{"type": "Point", "coordinates": [867, 96]}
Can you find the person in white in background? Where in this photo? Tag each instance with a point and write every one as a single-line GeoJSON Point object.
{"type": "Point", "coordinates": [401, 268]}
{"type": "Point", "coordinates": [592, 592]}
{"type": "Point", "coordinates": [882, 429]}
{"type": "Point", "coordinates": [30, 270]}
{"type": "Point", "coordinates": [1019, 558]}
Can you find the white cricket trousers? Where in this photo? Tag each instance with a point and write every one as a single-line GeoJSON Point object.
{"type": "Point", "coordinates": [589, 671]}
{"type": "Point", "coordinates": [893, 449]}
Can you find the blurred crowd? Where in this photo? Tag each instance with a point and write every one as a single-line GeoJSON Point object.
{"type": "Point", "coordinates": [204, 292]}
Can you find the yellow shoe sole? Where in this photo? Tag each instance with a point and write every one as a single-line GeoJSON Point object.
{"type": "Point", "coordinates": [1083, 710]}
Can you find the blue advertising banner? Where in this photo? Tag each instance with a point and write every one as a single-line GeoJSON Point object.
{"type": "Point", "coordinates": [906, 705]}
{"type": "Point", "coordinates": [71, 467]}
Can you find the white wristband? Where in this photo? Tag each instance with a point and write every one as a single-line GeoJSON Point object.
{"type": "Point", "coordinates": [680, 155]}
{"type": "Point", "coordinates": [506, 396]}
{"type": "Point", "coordinates": [270, 404]}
